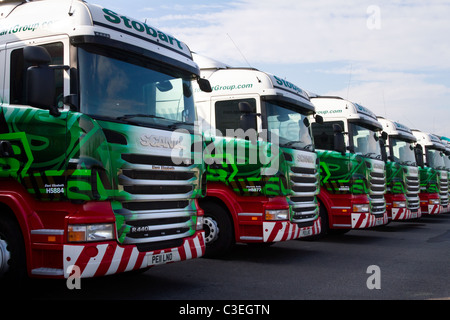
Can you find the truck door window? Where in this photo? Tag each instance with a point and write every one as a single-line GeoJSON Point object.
{"type": "Point", "coordinates": [18, 72]}
{"type": "Point", "coordinates": [228, 114]}
{"type": "Point", "coordinates": [289, 124]}
{"type": "Point", "coordinates": [324, 134]}
{"type": "Point", "coordinates": [364, 140]}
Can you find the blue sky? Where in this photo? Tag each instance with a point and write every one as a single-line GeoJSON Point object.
{"type": "Point", "coordinates": [391, 56]}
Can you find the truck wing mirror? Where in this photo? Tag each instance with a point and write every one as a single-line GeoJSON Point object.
{"type": "Point", "coordinates": [384, 155]}
{"type": "Point", "coordinates": [40, 87]}
{"type": "Point", "coordinates": [36, 56]}
{"type": "Point", "coordinates": [245, 107]}
{"type": "Point", "coordinates": [204, 85]}
{"type": "Point", "coordinates": [306, 122]}
{"type": "Point", "coordinates": [339, 142]}
{"type": "Point", "coordinates": [248, 117]}
{"type": "Point", "coordinates": [248, 121]}
{"type": "Point", "coordinates": [337, 128]}
{"type": "Point", "coordinates": [318, 118]}
{"type": "Point", "coordinates": [418, 151]}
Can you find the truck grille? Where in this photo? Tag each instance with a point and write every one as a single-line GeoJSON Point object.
{"type": "Point", "coordinates": [412, 192]}
{"type": "Point", "coordinates": [158, 201]}
{"type": "Point", "coordinates": [305, 186]}
{"type": "Point", "coordinates": [377, 184]}
{"type": "Point", "coordinates": [443, 188]}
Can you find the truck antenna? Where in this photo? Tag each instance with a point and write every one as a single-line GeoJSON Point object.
{"type": "Point", "coordinates": [70, 9]}
{"type": "Point", "coordinates": [239, 50]}
{"type": "Point", "coordinates": [349, 80]}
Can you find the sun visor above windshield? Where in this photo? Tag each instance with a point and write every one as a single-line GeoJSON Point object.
{"type": "Point", "coordinates": [119, 27]}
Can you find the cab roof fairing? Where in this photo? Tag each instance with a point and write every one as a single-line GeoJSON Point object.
{"type": "Point", "coordinates": [446, 143]}
{"type": "Point", "coordinates": [263, 83]}
{"type": "Point", "coordinates": [78, 18]}
{"type": "Point", "coordinates": [393, 128]}
{"type": "Point", "coordinates": [349, 110]}
{"type": "Point", "coordinates": [428, 140]}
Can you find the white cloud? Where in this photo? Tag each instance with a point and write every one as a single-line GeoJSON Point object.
{"type": "Point", "coordinates": [403, 97]}
{"type": "Point", "coordinates": [392, 67]}
{"type": "Point", "coordinates": [289, 31]}
{"type": "Point", "coordinates": [396, 70]}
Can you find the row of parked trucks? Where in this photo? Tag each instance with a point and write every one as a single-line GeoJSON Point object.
{"type": "Point", "coordinates": [120, 149]}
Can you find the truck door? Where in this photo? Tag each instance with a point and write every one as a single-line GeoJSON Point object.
{"type": "Point", "coordinates": [34, 139]}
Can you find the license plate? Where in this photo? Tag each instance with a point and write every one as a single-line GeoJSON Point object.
{"type": "Point", "coordinates": [379, 221]}
{"type": "Point", "coordinates": [160, 258]}
{"type": "Point", "coordinates": [306, 232]}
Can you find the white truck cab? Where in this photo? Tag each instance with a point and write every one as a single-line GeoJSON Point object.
{"type": "Point", "coordinates": [402, 173]}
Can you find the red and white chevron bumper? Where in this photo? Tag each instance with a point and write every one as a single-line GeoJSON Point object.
{"type": "Point", "coordinates": [111, 258]}
{"type": "Point", "coordinates": [404, 214]}
{"type": "Point", "coordinates": [285, 230]}
{"type": "Point", "coordinates": [434, 209]}
{"type": "Point", "coordinates": [367, 220]}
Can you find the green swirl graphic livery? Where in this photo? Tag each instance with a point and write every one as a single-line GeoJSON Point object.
{"type": "Point", "coordinates": [395, 178]}
{"type": "Point", "coordinates": [248, 168]}
{"type": "Point", "coordinates": [428, 180]}
{"type": "Point", "coordinates": [343, 174]}
{"type": "Point", "coordinates": [75, 158]}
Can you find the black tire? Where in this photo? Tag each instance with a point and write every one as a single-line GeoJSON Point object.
{"type": "Point", "coordinates": [326, 230]}
{"type": "Point", "coordinates": [13, 271]}
{"type": "Point", "coordinates": [219, 230]}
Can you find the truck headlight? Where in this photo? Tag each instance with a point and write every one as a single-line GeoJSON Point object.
{"type": "Point", "coordinates": [90, 232]}
{"type": "Point", "coordinates": [361, 207]}
{"type": "Point", "coordinates": [272, 215]}
{"type": "Point", "coordinates": [399, 204]}
{"type": "Point", "coordinates": [433, 201]}
{"type": "Point", "coordinates": [199, 225]}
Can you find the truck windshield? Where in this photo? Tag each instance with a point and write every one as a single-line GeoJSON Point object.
{"type": "Point", "coordinates": [120, 89]}
{"type": "Point", "coordinates": [403, 151]}
{"type": "Point", "coordinates": [435, 159]}
{"type": "Point", "coordinates": [447, 161]}
{"type": "Point", "coordinates": [365, 141]}
{"type": "Point", "coordinates": [289, 125]}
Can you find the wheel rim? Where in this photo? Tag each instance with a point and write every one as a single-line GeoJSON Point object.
{"type": "Point", "coordinates": [4, 257]}
{"type": "Point", "coordinates": [211, 230]}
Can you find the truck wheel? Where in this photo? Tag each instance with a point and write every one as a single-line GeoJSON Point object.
{"type": "Point", "coordinates": [324, 223]}
{"type": "Point", "coordinates": [218, 230]}
{"type": "Point", "coordinates": [12, 252]}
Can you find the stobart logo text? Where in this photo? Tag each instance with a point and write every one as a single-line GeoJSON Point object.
{"type": "Point", "coordinates": [288, 85]}
{"type": "Point", "coordinates": [113, 17]}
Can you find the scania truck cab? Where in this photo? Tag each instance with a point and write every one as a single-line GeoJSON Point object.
{"type": "Point", "coordinates": [96, 131]}
{"type": "Point", "coordinates": [262, 171]}
{"type": "Point", "coordinates": [433, 176]}
{"type": "Point", "coordinates": [446, 143]}
{"type": "Point", "coordinates": [352, 170]}
{"type": "Point", "coordinates": [402, 173]}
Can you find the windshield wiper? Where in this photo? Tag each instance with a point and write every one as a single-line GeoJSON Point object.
{"type": "Point", "coordinates": [137, 115]}
{"type": "Point", "coordinates": [290, 143]}
{"type": "Point", "coordinates": [175, 123]}
{"type": "Point", "coordinates": [408, 163]}
{"type": "Point", "coordinates": [369, 154]}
